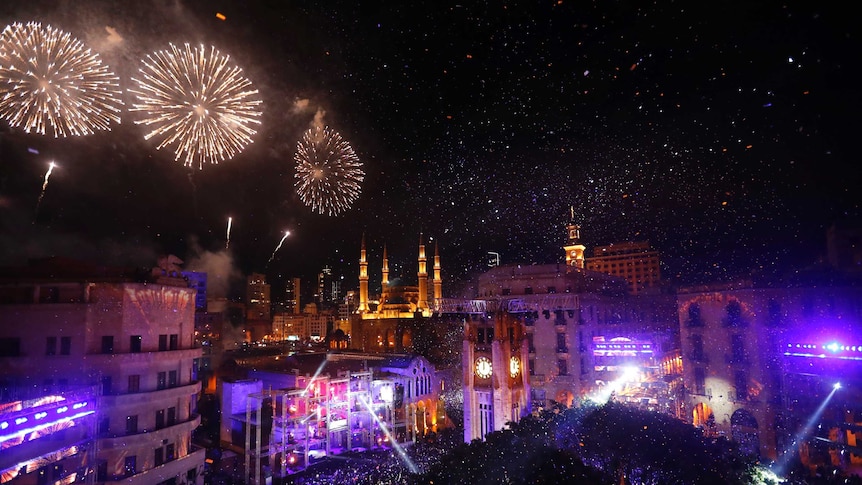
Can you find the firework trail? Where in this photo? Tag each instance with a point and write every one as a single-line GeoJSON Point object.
{"type": "Point", "coordinates": [51, 83]}
{"type": "Point", "coordinates": [227, 241]}
{"type": "Point", "coordinates": [286, 233]}
{"type": "Point", "coordinates": [328, 172]}
{"type": "Point", "coordinates": [44, 186]}
{"type": "Point", "coordinates": [195, 102]}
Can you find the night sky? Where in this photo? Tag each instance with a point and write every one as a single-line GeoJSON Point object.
{"type": "Point", "coordinates": [724, 134]}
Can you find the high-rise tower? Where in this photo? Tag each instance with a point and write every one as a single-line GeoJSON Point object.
{"type": "Point", "coordinates": [363, 278]}
{"type": "Point", "coordinates": [423, 278]}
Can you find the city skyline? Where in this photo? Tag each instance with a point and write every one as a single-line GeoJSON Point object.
{"type": "Point", "coordinates": [722, 135]}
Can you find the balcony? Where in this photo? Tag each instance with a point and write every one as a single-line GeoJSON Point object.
{"type": "Point", "coordinates": [148, 437]}
{"type": "Point", "coordinates": [151, 396]}
{"type": "Point", "coordinates": [178, 467]}
{"type": "Point", "coordinates": [146, 358]}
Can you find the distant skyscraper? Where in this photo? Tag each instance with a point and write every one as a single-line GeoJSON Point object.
{"type": "Point", "coordinates": [291, 296]}
{"type": "Point", "coordinates": [324, 285]}
{"type": "Point", "coordinates": [258, 298]}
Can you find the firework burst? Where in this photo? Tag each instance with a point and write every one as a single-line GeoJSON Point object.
{"type": "Point", "coordinates": [195, 102]}
{"type": "Point", "coordinates": [328, 172]}
{"type": "Point", "coordinates": [51, 84]}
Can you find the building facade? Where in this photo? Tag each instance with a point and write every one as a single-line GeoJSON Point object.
{"type": "Point", "coordinates": [495, 381]}
{"type": "Point", "coordinates": [777, 368]}
{"type": "Point", "coordinates": [65, 324]}
{"type": "Point", "coordinates": [635, 261]}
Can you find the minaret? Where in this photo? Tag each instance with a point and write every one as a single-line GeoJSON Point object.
{"type": "Point", "coordinates": [385, 269]}
{"type": "Point", "coordinates": [423, 278]}
{"type": "Point", "coordinates": [438, 281]}
{"type": "Point", "coordinates": [574, 249]}
{"type": "Point", "coordinates": [363, 278]}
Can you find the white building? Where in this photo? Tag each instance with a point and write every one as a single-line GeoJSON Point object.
{"type": "Point", "coordinates": [67, 324]}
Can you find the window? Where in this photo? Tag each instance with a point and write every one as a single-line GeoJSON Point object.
{"type": "Point", "coordinates": [481, 335]}
{"type": "Point", "coordinates": [552, 289]}
{"type": "Point", "coordinates": [132, 424]}
{"type": "Point", "coordinates": [531, 364]}
{"type": "Point", "coordinates": [740, 381]}
{"type": "Point", "coordinates": [733, 314]}
{"type": "Point", "coordinates": [162, 381]}
{"type": "Point", "coordinates": [699, 381]}
{"type": "Point", "coordinates": [65, 345]}
{"type": "Point", "coordinates": [174, 341]}
{"type": "Point", "coordinates": [130, 466]}
{"type": "Point", "coordinates": [737, 347]}
{"type": "Point", "coordinates": [697, 348]}
{"type": "Point", "coordinates": [170, 455]}
{"type": "Point", "coordinates": [108, 344]}
{"type": "Point", "coordinates": [528, 290]}
{"type": "Point", "coordinates": [163, 342]}
{"type": "Point", "coordinates": [530, 347]}
{"type": "Point", "coordinates": [160, 419]}
{"type": "Point", "coordinates": [135, 343]}
{"type": "Point", "coordinates": [160, 456]}
{"type": "Point", "coordinates": [134, 383]}
{"type": "Point", "coordinates": [104, 425]}
{"type": "Point", "coordinates": [507, 291]}
{"type": "Point", "coordinates": [172, 379]}
{"type": "Point", "coordinates": [562, 367]}
{"type": "Point", "coordinates": [694, 318]}
{"type": "Point", "coordinates": [10, 347]}
{"type": "Point", "coordinates": [561, 343]}
{"type": "Point", "coordinates": [172, 416]}
{"type": "Point", "coordinates": [106, 385]}
{"type": "Point", "coordinates": [51, 346]}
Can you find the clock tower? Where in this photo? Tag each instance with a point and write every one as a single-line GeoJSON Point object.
{"type": "Point", "coordinates": [573, 248]}
{"type": "Point", "coordinates": [496, 380]}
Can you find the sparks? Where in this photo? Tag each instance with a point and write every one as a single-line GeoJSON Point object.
{"type": "Point", "coordinates": [44, 186]}
{"type": "Point", "coordinates": [194, 101]}
{"type": "Point", "coordinates": [227, 241]}
{"type": "Point", "coordinates": [286, 233]}
{"type": "Point", "coordinates": [50, 83]}
{"type": "Point", "coordinates": [328, 172]}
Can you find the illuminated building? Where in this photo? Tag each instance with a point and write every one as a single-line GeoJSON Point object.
{"type": "Point", "coordinates": [635, 261]}
{"type": "Point", "coordinates": [760, 359]}
{"type": "Point", "coordinates": [495, 381]}
{"type": "Point", "coordinates": [66, 324]}
{"type": "Point", "coordinates": [583, 329]}
{"type": "Point", "coordinates": [327, 404]}
{"type": "Point", "coordinates": [292, 296]}
{"type": "Point", "coordinates": [48, 438]}
{"type": "Point", "coordinates": [259, 306]}
{"type": "Point", "coordinates": [387, 323]}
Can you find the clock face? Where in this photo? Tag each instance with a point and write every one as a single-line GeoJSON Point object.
{"type": "Point", "coordinates": [483, 367]}
{"type": "Point", "coordinates": [514, 366]}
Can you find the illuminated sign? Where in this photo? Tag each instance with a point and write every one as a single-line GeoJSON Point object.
{"type": "Point", "coordinates": [41, 419]}
{"type": "Point", "coordinates": [621, 349]}
{"type": "Point", "coordinates": [831, 350]}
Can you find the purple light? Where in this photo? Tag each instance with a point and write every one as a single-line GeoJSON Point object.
{"type": "Point", "coordinates": [833, 347]}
